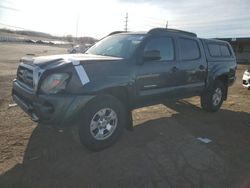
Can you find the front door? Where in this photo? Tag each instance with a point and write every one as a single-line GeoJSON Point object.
{"type": "Point", "coordinates": [157, 78]}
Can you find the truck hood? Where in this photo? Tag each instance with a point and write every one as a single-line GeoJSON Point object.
{"type": "Point", "coordinates": [59, 60]}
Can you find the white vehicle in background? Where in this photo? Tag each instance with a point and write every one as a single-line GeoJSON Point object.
{"type": "Point", "coordinates": [80, 48]}
{"type": "Point", "coordinates": [246, 79]}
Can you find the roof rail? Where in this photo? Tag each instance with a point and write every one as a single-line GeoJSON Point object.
{"type": "Point", "coordinates": [164, 30]}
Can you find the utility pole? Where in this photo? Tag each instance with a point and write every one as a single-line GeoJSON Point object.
{"type": "Point", "coordinates": [77, 23]}
{"type": "Point", "coordinates": [126, 22]}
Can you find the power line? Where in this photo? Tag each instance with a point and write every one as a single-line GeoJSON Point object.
{"type": "Point", "coordinates": [9, 8]}
{"type": "Point", "coordinates": [7, 25]}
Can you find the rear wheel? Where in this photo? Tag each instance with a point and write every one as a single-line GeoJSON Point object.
{"type": "Point", "coordinates": [212, 99]}
{"type": "Point", "coordinates": [102, 123]}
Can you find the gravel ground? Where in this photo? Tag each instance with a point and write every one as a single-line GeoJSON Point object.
{"type": "Point", "coordinates": [162, 151]}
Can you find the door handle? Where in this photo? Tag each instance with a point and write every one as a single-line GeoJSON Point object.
{"type": "Point", "coordinates": [174, 69]}
{"type": "Point", "coordinates": [201, 67]}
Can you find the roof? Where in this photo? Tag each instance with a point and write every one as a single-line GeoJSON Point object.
{"type": "Point", "coordinates": [214, 41]}
{"type": "Point", "coordinates": [157, 31]}
{"type": "Point", "coordinates": [166, 30]}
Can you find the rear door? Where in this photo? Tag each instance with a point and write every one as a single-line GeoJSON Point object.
{"type": "Point", "coordinates": [192, 65]}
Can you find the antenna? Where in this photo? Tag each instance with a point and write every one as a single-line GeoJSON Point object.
{"type": "Point", "coordinates": [167, 24]}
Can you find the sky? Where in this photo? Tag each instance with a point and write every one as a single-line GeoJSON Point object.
{"type": "Point", "coordinates": [96, 18]}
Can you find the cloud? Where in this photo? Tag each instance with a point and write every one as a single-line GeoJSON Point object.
{"type": "Point", "coordinates": [209, 18]}
{"type": "Point", "coordinates": [8, 8]}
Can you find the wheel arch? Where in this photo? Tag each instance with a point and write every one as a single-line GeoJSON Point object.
{"type": "Point", "coordinates": [122, 94]}
{"type": "Point", "coordinates": [224, 79]}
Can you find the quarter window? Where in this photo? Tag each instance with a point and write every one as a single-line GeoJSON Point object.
{"type": "Point", "coordinates": [214, 50]}
{"type": "Point", "coordinates": [164, 45]}
{"type": "Point", "coordinates": [224, 51]}
{"type": "Point", "coordinates": [189, 49]}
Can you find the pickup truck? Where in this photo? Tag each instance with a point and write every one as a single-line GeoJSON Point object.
{"type": "Point", "coordinates": [98, 90]}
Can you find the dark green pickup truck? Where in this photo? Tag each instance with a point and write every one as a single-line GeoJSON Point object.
{"type": "Point", "coordinates": [98, 90]}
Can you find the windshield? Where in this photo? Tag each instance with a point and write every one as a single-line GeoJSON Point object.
{"type": "Point", "coordinates": [117, 45]}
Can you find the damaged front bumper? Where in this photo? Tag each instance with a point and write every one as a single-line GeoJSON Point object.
{"type": "Point", "coordinates": [57, 109]}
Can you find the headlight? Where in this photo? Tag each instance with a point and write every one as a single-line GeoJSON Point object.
{"type": "Point", "coordinates": [54, 83]}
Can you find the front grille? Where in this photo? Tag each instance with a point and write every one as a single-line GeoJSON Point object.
{"type": "Point", "coordinates": [25, 75]}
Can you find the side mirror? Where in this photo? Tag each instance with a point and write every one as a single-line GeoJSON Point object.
{"type": "Point", "coordinates": [152, 55]}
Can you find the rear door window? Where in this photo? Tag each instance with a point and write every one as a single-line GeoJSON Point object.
{"type": "Point", "coordinates": [189, 49]}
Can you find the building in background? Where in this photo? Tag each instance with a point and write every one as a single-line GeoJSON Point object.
{"type": "Point", "coordinates": [241, 48]}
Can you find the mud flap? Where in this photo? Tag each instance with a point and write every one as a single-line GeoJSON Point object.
{"type": "Point", "coordinates": [129, 124]}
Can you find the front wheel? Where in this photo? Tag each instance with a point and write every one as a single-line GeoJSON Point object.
{"type": "Point", "coordinates": [102, 123]}
{"type": "Point", "coordinates": [212, 99]}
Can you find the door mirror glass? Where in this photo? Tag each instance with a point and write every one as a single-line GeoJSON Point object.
{"type": "Point", "coordinates": [152, 55]}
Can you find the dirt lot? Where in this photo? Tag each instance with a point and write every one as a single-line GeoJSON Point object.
{"type": "Point", "coordinates": [162, 151]}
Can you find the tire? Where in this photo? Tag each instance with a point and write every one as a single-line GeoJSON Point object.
{"type": "Point", "coordinates": [212, 99]}
{"type": "Point", "coordinates": [102, 123]}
